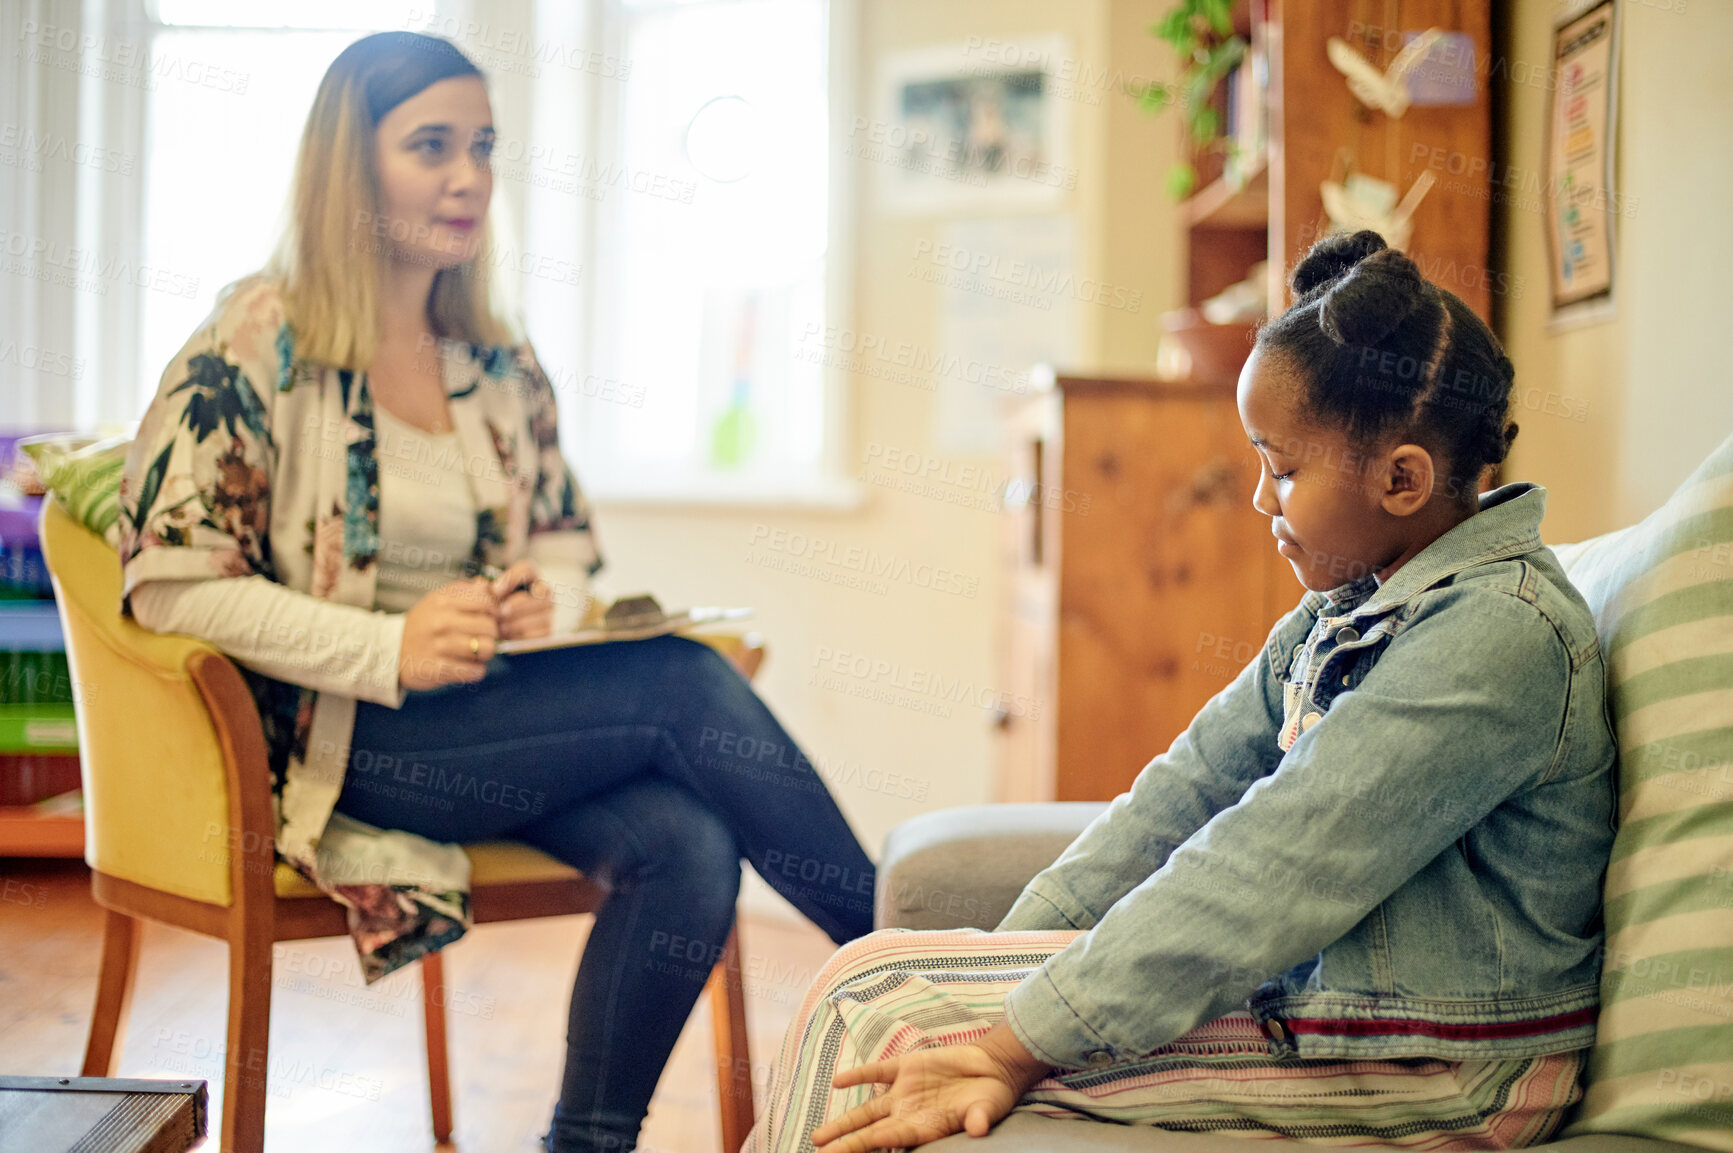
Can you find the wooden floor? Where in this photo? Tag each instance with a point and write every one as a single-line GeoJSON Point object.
{"type": "Point", "coordinates": [347, 1068]}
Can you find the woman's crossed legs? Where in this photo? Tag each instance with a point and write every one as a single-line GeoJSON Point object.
{"type": "Point", "coordinates": [652, 766]}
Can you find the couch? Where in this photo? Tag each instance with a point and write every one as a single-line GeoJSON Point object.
{"type": "Point", "coordinates": [1661, 1075]}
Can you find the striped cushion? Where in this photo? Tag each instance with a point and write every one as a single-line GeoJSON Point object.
{"type": "Point", "coordinates": [84, 476]}
{"type": "Point", "coordinates": [1662, 593]}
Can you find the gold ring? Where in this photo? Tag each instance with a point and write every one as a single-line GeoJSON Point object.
{"type": "Point", "coordinates": [475, 646]}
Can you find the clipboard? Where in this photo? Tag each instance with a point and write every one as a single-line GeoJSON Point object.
{"type": "Point", "coordinates": [628, 619]}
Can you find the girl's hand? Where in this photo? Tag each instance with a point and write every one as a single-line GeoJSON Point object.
{"type": "Point", "coordinates": [526, 603]}
{"type": "Point", "coordinates": [449, 635]}
{"type": "Point", "coordinates": [934, 1093]}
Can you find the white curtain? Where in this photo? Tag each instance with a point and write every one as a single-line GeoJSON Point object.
{"type": "Point", "coordinates": [71, 98]}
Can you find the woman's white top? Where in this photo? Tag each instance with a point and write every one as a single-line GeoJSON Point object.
{"type": "Point", "coordinates": [426, 512]}
{"type": "Point", "coordinates": [426, 533]}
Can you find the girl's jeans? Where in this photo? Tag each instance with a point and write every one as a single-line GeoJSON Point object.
{"type": "Point", "coordinates": [653, 767]}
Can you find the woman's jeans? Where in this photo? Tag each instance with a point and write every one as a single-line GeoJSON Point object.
{"type": "Point", "coordinates": [653, 767]}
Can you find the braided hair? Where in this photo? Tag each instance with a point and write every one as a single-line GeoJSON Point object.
{"type": "Point", "coordinates": [1379, 350]}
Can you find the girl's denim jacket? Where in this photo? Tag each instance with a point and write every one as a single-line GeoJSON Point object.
{"type": "Point", "coordinates": [1386, 837]}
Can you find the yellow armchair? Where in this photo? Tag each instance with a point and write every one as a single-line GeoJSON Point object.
{"type": "Point", "coordinates": [178, 829]}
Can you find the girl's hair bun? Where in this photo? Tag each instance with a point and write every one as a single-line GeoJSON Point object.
{"type": "Point", "coordinates": [1364, 287]}
{"type": "Point", "coordinates": [1330, 258]}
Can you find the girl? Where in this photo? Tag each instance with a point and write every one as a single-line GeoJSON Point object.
{"type": "Point", "coordinates": [326, 468]}
{"type": "Point", "coordinates": [1359, 898]}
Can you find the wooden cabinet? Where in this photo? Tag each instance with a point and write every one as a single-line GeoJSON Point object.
{"type": "Point", "coordinates": [1140, 580]}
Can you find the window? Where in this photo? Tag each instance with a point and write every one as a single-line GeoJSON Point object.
{"type": "Point", "coordinates": [707, 185]}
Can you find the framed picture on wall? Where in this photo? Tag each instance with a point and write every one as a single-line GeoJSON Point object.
{"type": "Point", "coordinates": [1582, 122]}
{"type": "Point", "coordinates": [967, 127]}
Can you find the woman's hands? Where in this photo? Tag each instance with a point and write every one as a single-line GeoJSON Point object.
{"type": "Point", "coordinates": [526, 603]}
{"type": "Point", "coordinates": [450, 634]}
{"type": "Point", "coordinates": [934, 1093]}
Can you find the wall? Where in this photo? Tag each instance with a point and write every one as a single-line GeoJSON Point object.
{"type": "Point", "coordinates": [1653, 378]}
{"type": "Point", "coordinates": [1126, 235]}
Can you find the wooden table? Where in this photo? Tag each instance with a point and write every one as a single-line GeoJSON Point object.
{"type": "Point", "coordinates": [100, 1115]}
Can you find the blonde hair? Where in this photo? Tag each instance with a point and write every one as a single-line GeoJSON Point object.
{"type": "Point", "coordinates": [329, 262]}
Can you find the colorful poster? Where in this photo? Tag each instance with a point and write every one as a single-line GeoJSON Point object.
{"type": "Point", "coordinates": [1582, 118]}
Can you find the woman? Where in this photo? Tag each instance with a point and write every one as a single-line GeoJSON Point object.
{"type": "Point", "coordinates": [328, 469]}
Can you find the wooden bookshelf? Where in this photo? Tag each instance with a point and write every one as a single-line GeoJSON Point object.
{"type": "Point", "coordinates": [1230, 203]}
{"type": "Point", "coordinates": [1316, 129]}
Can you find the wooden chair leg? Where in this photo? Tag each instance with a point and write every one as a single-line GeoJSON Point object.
{"type": "Point", "coordinates": [120, 938]}
{"type": "Point", "coordinates": [433, 1017]}
{"type": "Point", "coordinates": [248, 1050]}
{"type": "Point", "coordinates": [733, 1055]}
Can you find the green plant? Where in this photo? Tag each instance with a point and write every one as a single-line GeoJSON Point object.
{"type": "Point", "coordinates": [1202, 35]}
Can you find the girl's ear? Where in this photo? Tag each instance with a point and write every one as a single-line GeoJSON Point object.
{"type": "Point", "coordinates": [1411, 479]}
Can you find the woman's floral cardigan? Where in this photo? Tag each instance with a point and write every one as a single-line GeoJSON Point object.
{"type": "Point", "coordinates": [249, 461]}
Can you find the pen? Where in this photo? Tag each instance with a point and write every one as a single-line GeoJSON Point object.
{"type": "Point", "coordinates": [492, 573]}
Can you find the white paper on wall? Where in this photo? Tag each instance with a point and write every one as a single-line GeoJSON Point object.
{"type": "Point", "coordinates": [1008, 295]}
